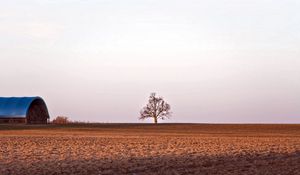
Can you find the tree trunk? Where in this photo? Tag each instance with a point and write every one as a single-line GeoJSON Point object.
{"type": "Point", "coordinates": [155, 120]}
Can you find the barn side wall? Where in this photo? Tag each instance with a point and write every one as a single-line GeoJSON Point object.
{"type": "Point", "coordinates": [12, 120]}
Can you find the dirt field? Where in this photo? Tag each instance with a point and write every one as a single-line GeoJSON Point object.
{"type": "Point", "coordinates": [148, 149]}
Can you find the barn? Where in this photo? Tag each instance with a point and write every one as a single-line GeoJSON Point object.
{"type": "Point", "coordinates": [29, 110]}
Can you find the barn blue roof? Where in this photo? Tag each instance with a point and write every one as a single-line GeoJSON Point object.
{"type": "Point", "coordinates": [15, 107]}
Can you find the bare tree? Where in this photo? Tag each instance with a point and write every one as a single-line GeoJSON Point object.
{"type": "Point", "coordinates": [61, 120]}
{"type": "Point", "coordinates": [156, 108]}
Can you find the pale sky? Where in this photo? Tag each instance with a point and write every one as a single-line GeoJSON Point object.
{"type": "Point", "coordinates": [216, 61]}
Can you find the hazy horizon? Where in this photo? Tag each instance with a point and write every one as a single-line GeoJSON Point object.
{"type": "Point", "coordinates": [219, 61]}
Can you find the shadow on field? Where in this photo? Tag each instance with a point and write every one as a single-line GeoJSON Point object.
{"type": "Point", "coordinates": [272, 163]}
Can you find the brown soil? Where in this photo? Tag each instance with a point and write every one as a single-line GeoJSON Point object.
{"type": "Point", "coordinates": [148, 149]}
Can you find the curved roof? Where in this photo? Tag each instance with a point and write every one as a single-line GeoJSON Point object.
{"type": "Point", "coordinates": [16, 107]}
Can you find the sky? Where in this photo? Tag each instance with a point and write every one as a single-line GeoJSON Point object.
{"type": "Point", "coordinates": [217, 61]}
